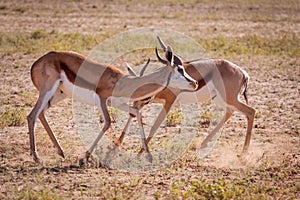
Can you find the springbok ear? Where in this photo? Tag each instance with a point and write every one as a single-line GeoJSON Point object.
{"type": "Point", "coordinates": [170, 56]}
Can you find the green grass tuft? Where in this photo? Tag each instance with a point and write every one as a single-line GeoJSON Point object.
{"type": "Point", "coordinates": [174, 117]}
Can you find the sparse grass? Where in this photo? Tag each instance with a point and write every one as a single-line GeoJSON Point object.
{"type": "Point", "coordinates": [254, 185]}
{"type": "Point", "coordinates": [43, 194]}
{"type": "Point", "coordinates": [114, 114]}
{"type": "Point", "coordinates": [13, 117]}
{"type": "Point", "coordinates": [254, 45]}
{"type": "Point", "coordinates": [42, 41]}
{"type": "Point", "coordinates": [19, 9]}
{"type": "Point", "coordinates": [39, 34]}
{"type": "Point", "coordinates": [220, 46]}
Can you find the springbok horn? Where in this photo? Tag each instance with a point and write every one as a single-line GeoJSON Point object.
{"type": "Point", "coordinates": [144, 68]}
{"type": "Point", "coordinates": [130, 70]}
{"type": "Point", "coordinates": [162, 44]}
{"type": "Point", "coordinates": [159, 58]}
{"type": "Point", "coordinates": [177, 59]}
{"type": "Point", "coordinates": [133, 73]}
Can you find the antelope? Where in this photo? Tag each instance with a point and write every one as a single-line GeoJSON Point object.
{"type": "Point", "coordinates": [61, 74]}
{"type": "Point", "coordinates": [217, 79]}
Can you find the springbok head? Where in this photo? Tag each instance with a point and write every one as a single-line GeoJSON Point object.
{"type": "Point", "coordinates": [180, 79]}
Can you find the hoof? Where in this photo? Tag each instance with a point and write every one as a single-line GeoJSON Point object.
{"type": "Point", "coordinates": [117, 143]}
{"type": "Point", "coordinates": [245, 150]}
{"type": "Point", "coordinates": [61, 153]}
{"type": "Point", "coordinates": [82, 162]}
{"type": "Point", "coordinates": [35, 156]}
{"type": "Point", "coordinates": [149, 157]}
{"type": "Point", "coordinates": [87, 155]}
{"type": "Point", "coordinates": [204, 145]}
{"type": "Point", "coordinates": [37, 160]}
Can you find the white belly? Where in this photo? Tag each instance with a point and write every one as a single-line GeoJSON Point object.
{"type": "Point", "coordinates": [78, 93]}
{"type": "Point", "coordinates": [204, 94]}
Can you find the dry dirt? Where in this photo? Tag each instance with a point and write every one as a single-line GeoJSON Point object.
{"type": "Point", "coordinates": [273, 158]}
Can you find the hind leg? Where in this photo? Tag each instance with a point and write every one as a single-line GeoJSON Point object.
{"type": "Point", "coordinates": [58, 96]}
{"type": "Point", "coordinates": [216, 129]}
{"type": "Point", "coordinates": [249, 112]}
{"type": "Point", "coordinates": [40, 105]}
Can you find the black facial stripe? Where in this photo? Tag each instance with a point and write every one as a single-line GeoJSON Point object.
{"type": "Point", "coordinates": [180, 70]}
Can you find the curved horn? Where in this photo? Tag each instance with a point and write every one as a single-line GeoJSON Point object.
{"type": "Point", "coordinates": [130, 70]}
{"type": "Point", "coordinates": [177, 59]}
{"type": "Point", "coordinates": [144, 68]}
{"type": "Point", "coordinates": [162, 44]}
{"type": "Point", "coordinates": [159, 58]}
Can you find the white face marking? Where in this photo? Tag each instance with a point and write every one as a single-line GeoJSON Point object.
{"type": "Point", "coordinates": [178, 81]}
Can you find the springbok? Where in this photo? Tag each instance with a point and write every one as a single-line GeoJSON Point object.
{"type": "Point", "coordinates": [59, 74]}
{"type": "Point", "coordinates": [217, 78]}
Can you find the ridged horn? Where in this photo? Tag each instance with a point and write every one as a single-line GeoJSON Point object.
{"type": "Point", "coordinates": [159, 58]}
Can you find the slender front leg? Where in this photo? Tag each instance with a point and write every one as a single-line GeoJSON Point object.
{"type": "Point", "coordinates": [121, 138]}
{"type": "Point", "coordinates": [216, 129]}
{"type": "Point", "coordinates": [138, 106]}
{"type": "Point", "coordinates": [135, 112]}
{"type": "Point", "coordinates": [102, 106]}
{"type": "Point", "coordinates": [161, 117]}
{"type": "Point", "coordinates": [143, 137]}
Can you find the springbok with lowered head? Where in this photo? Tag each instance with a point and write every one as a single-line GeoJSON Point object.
{"type": "Point", "coordinates": [217, 78]}
{"type": "Point", "coordinates": [58, 75]}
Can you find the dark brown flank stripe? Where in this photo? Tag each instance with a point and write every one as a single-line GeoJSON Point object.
{"type": "Point", "coordinates": [75, 79]}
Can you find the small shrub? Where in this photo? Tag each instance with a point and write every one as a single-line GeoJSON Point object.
{"type": "Point", "coordinates": [205, 119]}
{"type": "Point", "coordinates": [19, 9]}
{"type": "Point", "coordinates": [38, 34]}
{"type": "Point", "coordinates": [174, 118]}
